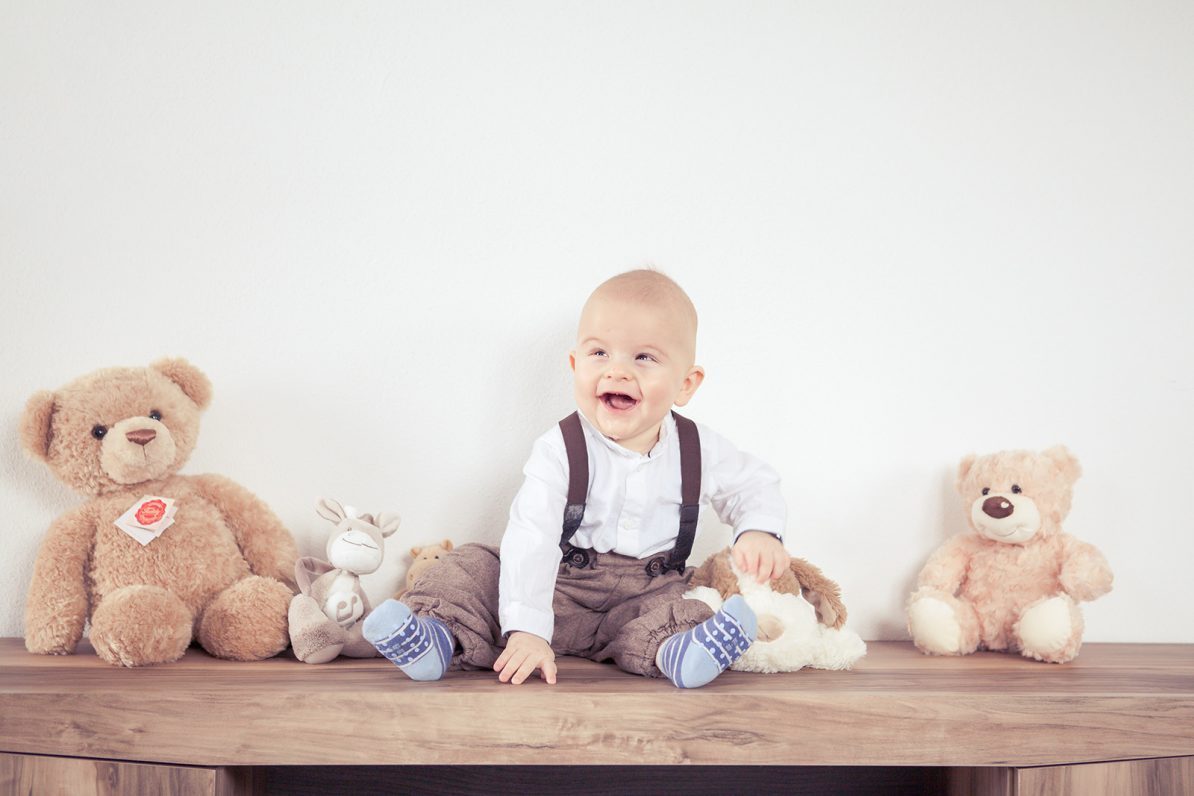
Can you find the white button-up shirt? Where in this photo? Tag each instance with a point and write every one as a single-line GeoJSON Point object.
{"type": "Point", "coordinates": [633, 508]}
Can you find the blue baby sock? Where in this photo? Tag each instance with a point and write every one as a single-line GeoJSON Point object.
{"type": "Point", "coordinates": [694, 657]}
{"type": "Point", "coordinates": [419, 646]}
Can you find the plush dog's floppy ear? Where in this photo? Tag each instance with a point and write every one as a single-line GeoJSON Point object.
{"type": "Point", "coordinates": [188, 377]}
{"type": "Point", "coordinates": [35, 424]}
{"type": "Point", "coordinates": [822, 593]}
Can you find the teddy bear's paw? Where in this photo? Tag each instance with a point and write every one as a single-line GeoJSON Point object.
{"type": "Point", "coordinates": [1050, 630]}
{"type": "Point", "coordinates": [140, 626]}
{"type": "Point", "coordinates": [247, 621]}
{"type": "Point", "coordinates": [934, 627]}
{"type": "Point", "coordinates": [770, 627]}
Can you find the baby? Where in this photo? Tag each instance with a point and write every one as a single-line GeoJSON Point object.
{"type": "Point", "coordinates": [592, 562]}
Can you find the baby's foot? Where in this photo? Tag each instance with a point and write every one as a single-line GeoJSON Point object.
{"type": "Point", "coordinates": [420, 646]}
{"type": "Point", "coordinates": [694, 657]}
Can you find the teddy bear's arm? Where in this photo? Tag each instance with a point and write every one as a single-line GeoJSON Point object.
{"type": "Point", "coordinates": [1085, 574]}
{"type": "Point", "coordinates": [947, 566]}
{"type": "Point", "coordinates": [58, 604]}
{"type": "Point", "coordinates": [264, 541]}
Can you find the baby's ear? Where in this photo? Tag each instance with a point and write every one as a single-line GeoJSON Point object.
{"type": "Point", "coordinates": [188, 378]}
{"type": "Point", "coordinates": [35, 424]}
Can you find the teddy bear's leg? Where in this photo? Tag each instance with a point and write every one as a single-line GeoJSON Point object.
{"type": "Point", "coordinates": [942, 624]}
{"type": "Point", "coordinates": [1050, 629]}
{"type": "Point", "coordinates": [247, 621]}
{"type": "Point", "coordinates": [314, 637]}
{"type": "Point", "coordinates": [141, 625]}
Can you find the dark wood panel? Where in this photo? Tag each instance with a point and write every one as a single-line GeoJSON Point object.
{"type": "Point", "coordinates": [603, 780]}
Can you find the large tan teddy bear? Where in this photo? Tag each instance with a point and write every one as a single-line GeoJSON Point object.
{"type": "Point", "coordinates": [1014, 582]}
{"type": "Point", "coordinates": [202, 559]}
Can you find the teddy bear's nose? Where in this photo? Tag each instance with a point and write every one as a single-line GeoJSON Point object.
{"type": "Point", "coordinates": [142, 436]}
{"type": "Point", "coordinates": [997, 507]}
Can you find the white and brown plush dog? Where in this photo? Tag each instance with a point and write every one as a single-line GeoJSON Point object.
{"type": "Point", "coordinates": [800, 615]}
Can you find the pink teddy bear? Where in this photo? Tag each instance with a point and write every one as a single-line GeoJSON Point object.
{"type": "Point", "coordinates": [1015, 583]}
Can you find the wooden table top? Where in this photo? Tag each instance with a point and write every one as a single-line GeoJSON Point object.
{"type": "Point", "coordinates": [897, 707]}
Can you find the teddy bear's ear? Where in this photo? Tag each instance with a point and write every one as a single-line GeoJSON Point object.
{"type": "Point", "coordinates": [447, 545]}
{"type": "Point", "coordinates": [188, 377]}
{"type": "Point", "coordinates": [964, 469]}
{"type": "Point", "coordinates": [387, 523]}
{"type": "Point", "coordinates": [414, 552]}
{"type": "Point", "coordinates": [1065, 462]}
{"type": "Point", "coordinates": [35, 424]}
{"type": "Point", "coordinates": [367, 517]}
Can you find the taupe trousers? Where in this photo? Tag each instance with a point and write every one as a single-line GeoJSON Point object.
{"type": "Point", "coordinates": [611, 611]}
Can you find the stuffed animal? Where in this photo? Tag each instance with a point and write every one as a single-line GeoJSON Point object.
{"type": "Point", "coordinates": [800, 616]}
{"type": "Point", "coordinates": [424, 558]}
{"type": "Point", "coordinates": [153, 559]}
{"type": "Point", "coordinates": [326, 616]}
{"type": "Point", "coordinates": [1015, 582]}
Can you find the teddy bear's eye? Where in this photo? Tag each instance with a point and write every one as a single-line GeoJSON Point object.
{"type": "Point", "coordinates": [986, 489]}
{"type": "Point", "coordinates": [1016, 489]}
{"type": "Point", "coordinates": [155, 414]}
{"type": "Point", "coordinates": [98, 431]}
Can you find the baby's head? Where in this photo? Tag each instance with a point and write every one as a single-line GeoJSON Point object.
{"type": "Point", "coordinates": [634, 356]}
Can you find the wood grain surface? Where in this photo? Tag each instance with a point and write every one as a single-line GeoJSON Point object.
{"type": "Point", "coordinates": [28, 774]}
{"type": "Point", "coordinates": [898, 707]}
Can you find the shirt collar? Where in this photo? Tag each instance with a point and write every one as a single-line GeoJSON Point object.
{"type": "Point", "coordinates": [666, 431]}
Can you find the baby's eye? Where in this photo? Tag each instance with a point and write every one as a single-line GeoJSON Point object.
{"type": "Point", "coordinates": [645, 358]}
{"type": "Point", "coordinates": [597, 352]}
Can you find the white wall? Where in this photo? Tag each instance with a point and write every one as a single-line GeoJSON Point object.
{"type": "Point", "coordinates": [912, 231]}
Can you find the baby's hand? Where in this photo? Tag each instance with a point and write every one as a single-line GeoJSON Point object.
{"type": "Point", "coordinates": [524, 653]}
{"type": "Point", "coordinates": [756, 551]}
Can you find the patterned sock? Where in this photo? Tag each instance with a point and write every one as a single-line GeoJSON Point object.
{"type": "Point", "coordinates": [694, 657]}
{"type": "Point", "coordinates": [420, 647]}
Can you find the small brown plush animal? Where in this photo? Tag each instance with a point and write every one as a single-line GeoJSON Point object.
{"type": "Point", "coordinates": [425, 557]}
{"type": "Point", "coordinates": [215, 564]}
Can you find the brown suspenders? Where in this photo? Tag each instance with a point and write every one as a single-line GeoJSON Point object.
{"type": "Point", "coordinates": [578, 490]}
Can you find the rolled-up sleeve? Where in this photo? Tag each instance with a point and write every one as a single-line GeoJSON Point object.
{"type": "Point", "coordinates": [743, 489]}
{"type": "Point", "coordinates": [530, 549]}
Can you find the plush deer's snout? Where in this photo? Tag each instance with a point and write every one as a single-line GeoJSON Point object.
{"type": "Point", "coordinates": [142, 436]}
{"type": "Point", "coordinates": [998, 507]}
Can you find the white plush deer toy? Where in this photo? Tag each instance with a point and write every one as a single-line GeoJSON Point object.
{"type": "Point", "coordinates": [326, 615]}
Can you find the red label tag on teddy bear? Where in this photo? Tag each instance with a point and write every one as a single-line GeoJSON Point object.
{"type": "Point", "coordinates": [147, 518]}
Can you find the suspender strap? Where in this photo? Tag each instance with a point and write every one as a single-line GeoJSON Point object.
{"type": "Point", "coordinates": [578, 487]}
{"type": "Point", "coordinates": [578, 490]}
{"type": "Point", "coordinates": [690, 490]}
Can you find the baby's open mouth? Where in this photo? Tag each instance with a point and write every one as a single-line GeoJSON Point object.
{"type": "Point", "coordinates": [618, 401]}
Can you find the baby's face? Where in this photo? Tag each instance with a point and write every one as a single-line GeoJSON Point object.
{"type": "Point", "coordinates": [632, 363]}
